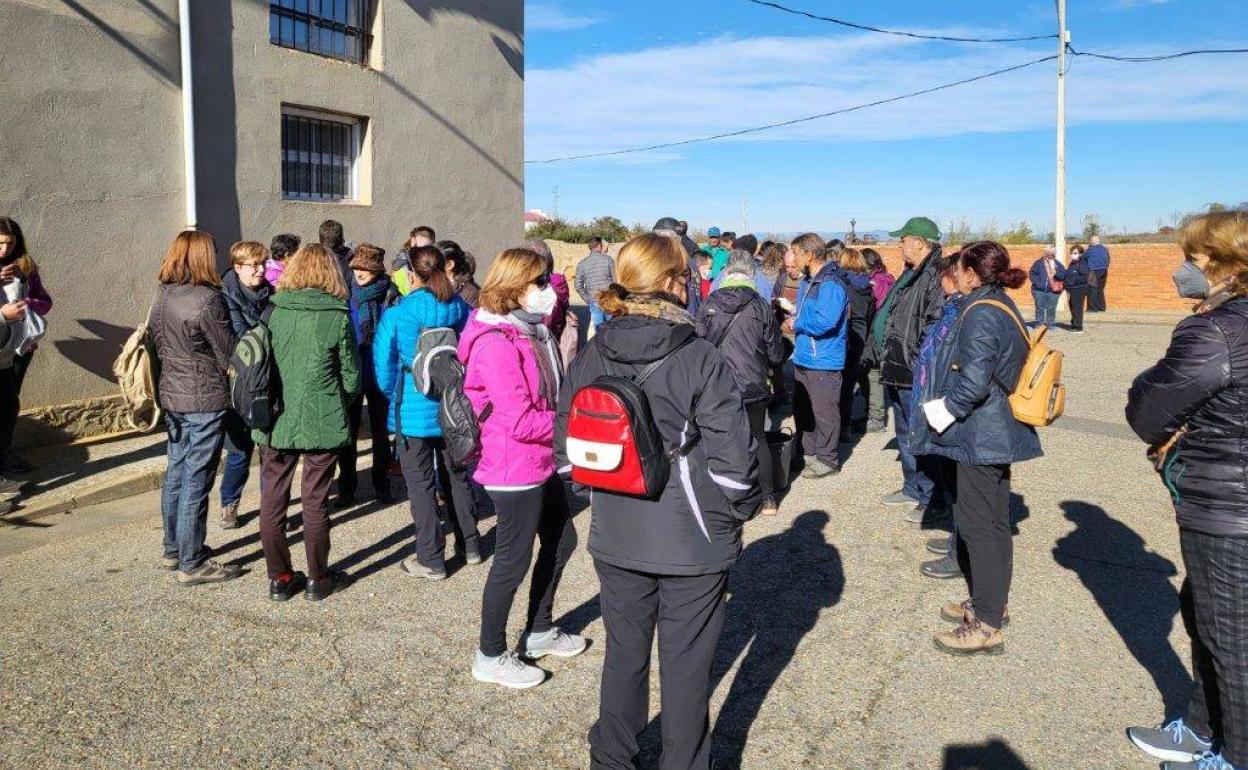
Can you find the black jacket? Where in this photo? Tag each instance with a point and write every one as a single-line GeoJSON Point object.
{"type": "Point", "coordinates": [1078, 275]}
{"type": "Point", "coordinates": [194, 342]}
{"type": "Point", "coordinates": [694, 528]}
{"type": "Point", "coordinates": [744, 328]}
{"type": "Point", "coordinates": [245, 305]}
{"type": "Point", "coordinates": [916, 303]}
{"type": "Point", "coordinates": [974, 370]}
{"type": "Point", "coordinates": [1202, 383]}
{"type": "Point", "coordinates": [861, 314]}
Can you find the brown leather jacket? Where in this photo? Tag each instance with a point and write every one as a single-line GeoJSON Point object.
{"type": "Point", "coordinates": [194, 341]}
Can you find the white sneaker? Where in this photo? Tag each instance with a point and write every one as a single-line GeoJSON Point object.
{"type": "Point", "coordinates": [508, 670]}
{"type": "Point", "coordinates": [554, 642]}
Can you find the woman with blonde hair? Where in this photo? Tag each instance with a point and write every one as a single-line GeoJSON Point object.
{"type": "Point", "coordinates": [512, 379]}
{"type": "Point", "coordinates": [1191, 408]}
{"type": "Point", "coordinates": [317, 366]}
{"type": "Point", "coordinates": [190, 325]}
{"type": "Point", "coordinates": [664, 562]}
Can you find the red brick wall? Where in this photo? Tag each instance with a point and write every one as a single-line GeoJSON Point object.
{"type": "Point", "coordinates": [1139, 274]}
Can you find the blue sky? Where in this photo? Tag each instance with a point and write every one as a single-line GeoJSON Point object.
{"type": "Point", "coordinates": [1145, 140]}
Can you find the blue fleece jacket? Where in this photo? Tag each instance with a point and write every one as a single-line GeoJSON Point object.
{"type": "Point", "coordinates": [822, 321]}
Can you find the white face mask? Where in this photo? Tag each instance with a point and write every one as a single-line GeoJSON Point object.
{"type": "Point", "coordinates": [540, 301]}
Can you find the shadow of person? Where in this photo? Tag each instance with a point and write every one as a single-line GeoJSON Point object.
{"type": "Point", "coordinates": [1131, 584]}
{"type": "Point", "coordinates": [776, 592]}
{"type": "Point", "coordinates": [96, 353]}
{"type": "Point", "coordinates": [993, 755]}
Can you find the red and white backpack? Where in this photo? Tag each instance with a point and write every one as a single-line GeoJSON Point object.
{"type": "Point", "coordinates": [613, 442]}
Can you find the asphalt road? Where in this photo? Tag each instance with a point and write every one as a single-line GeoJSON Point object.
{"type": "Point", "coordinates": [827, 658]}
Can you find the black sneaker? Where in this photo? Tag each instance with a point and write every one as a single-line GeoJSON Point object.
{"type": "Point", "coordinates": [384, 495]}
{"type": "Point", "coordinates": [287, 586]}
{"type": "Point", "coordinates": [942, 569]}
{"type": "Point", "coordinates": [344, 502]}
{"type": "Point", "coordinates": [319, 590]}
{"type": "Point", "coordinates": [472, 554]}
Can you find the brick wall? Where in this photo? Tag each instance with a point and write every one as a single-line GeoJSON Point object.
{"type": "Point", "coordinates": [1139, 274]}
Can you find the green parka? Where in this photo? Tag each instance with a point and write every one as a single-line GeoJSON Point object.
{"type": "Point", "coordinates": [318, 366]}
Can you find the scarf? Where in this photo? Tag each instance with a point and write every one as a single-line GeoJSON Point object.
{"type": "Point", "coordinates": [367, 301]}
{"type": "Point", "coordinates": [544, 351]}
{"type": "Point", "coordinates": [657, 305]}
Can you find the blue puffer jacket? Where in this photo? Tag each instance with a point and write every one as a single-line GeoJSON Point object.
{"type": "Point", "coordinates": [970, 369]}
{"type": "Point", "coordinates": [394, 346]}
{"type": "Point", "coordinates": [822, 323]}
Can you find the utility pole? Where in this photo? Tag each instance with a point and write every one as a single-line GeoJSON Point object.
{"type": "Point", "coordinates": [1063, 39]}
{"type": "Point", "coordinates": [554, 203]}
{"type": "Point", "coordinates": [745, 216]}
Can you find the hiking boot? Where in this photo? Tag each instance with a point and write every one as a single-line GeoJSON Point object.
{"type": "Point", "coordinates": [958, 612]}
{"type": "Point", "coordinates": [875, 426]}
{"type": "Point", "coordinates": [1173, 742]}
{"type": "Point", "coordinates": [941, 546]}
{"type": "Point", "coordinates": [899, 498]}
{"type": "Point", "coordinates": [412, 566]}
{"type": "Point", "coordinates": [769, 507]}
{"type": "Point", "coordinates": [343, 502]}
{"type": "Point", "coordinates": [921, 514]}
{"type": "Point", "coordinates": [1206, 761]}
{"type": "Point", "coordinates": [286, 586]}
{"type": "Point", "coordinates": [554, 642]}
{"type": "Point", "coordinates": [384, 495]}
{"type": "Point", "coordinates": [818, 469]}
{"type": "Point", "coordinates": [508, 670]}
{"type": "Point", "coordinates": [169, 563]}
{"type": "Point", "coordinates": [942, 569]}
{"type": "Point", "coordinates": [229, 516]}
{"type": "Point", "coordinates": [11, 463]}
{"type": "Point", "coordinates": [209, 572]}
{"type": "Point", "coordinates": [971, 638]}
{"type": "Point", "coordinates": [319, 590]}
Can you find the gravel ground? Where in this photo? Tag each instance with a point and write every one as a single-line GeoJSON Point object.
{"type": "Point", "coordinates": [827, 659]}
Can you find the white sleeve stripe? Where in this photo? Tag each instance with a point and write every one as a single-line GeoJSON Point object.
{"type": "Point", "coordinates": [727, 483]}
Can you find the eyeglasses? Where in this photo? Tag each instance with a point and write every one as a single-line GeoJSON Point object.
{"type": "Point", "coordinates": [542, 281]}
{"type": "Point", "coordinates": [252, 265]}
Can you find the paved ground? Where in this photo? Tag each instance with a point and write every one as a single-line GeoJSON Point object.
{"type": "Point", "coordinates": [827, 659]}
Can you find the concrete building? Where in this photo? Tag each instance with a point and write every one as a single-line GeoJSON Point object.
{"type": "Point", "coordinates": [382, 114]}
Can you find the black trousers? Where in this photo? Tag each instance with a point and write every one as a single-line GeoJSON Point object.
{"type": "Point", "coordinates": [849, 385]}
{"type": "Point", "coordinates": [817, 414]}
{"type": "Point", "coordinates": [757, 413]}
{"type": "Point", "coordinates": [348, 478]}
{"type": "Point", "coordinates": [416, 457]}
{"type": "Point", "coordinates": [689, 615]}
{"type": "Point", "coordinates": [981, 504]}
{"type": "Point", "coordinates": [1096, 299]}
{"type": "Point", "coordinates": [1214, 603]}
{"type": "Point", "coordinates": [10, 405]}
{"type": "Point", "coordinates": [1078, 298]}
{"type": "Point", "coordinates": [540, 513]}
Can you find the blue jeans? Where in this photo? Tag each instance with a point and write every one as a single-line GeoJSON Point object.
{"type": "Point", "coordinates": [917, 478]}
{"type": "Point", "coordinates": [194, 449]}
{"type": "Point", "coordinates": [596, 316]}
{"type": "Point", "coordinates": [238, 450]}
{"type": "Point", "coordinates": [1046, 307]}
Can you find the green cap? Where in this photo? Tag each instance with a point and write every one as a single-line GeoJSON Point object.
{"type": "Point", "coordinates": [920, 226]}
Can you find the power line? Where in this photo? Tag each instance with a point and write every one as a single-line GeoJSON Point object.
{"type": "Point", "coordinates": [900, 33]}
{"type": "Point", "coordinates": [795, 121]}
{"type": "Point", "coordinates": [1162, 57]}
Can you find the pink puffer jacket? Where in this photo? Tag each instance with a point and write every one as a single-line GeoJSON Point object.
{"type": "Point", "coordinates": [517, 438]}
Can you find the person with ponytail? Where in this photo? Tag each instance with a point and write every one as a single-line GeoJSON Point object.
{"type": "Point", "coordinates": [663, 562]}
{"type": "Point", "coordinates": [431, 304]}
{"type": "Point", "coordinates": [513, 375]}
{"type": "Point", "coordinates": [969, 421]}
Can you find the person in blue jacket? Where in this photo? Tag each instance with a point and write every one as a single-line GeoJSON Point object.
{"type": "Point", "coordinates": [1047, 275]}
{"type": "Point", "coordinates": [414, 417]}
{"type": "Point", "coordinates": [820, 324]}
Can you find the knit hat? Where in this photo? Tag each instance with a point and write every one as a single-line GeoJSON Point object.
{"type": "Point", "coordinates": [368, 257]}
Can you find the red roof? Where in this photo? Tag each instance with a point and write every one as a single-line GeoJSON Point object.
{"type": "Point", "coordinates": [533, 216]}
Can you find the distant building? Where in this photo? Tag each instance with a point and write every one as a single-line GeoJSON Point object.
{"type": "Point", "coordinates": [382, 114]}
{"type": "Point", "coordinates": [534, 218]}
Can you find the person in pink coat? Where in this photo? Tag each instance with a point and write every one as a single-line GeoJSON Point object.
{"type": "Point", "coordinates": [512, 379]}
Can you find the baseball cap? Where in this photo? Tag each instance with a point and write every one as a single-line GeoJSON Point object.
{"type": "Point", "coordinates": [920, 226]}
{"type": "Point", "coordinates": [713, 232]}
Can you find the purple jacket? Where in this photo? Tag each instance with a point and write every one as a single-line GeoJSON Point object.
{"type": "Point", "coordinates": [881, 282]}
{"type": "Point", "coordinates": [558, 317]}
{"type": "Point", "coordinates": [517, 439]}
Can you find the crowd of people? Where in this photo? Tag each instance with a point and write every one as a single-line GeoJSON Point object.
{"type": "Point", "coordinates": [728, 341]}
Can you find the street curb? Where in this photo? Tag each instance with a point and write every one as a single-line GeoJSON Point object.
{"type": "Point", "coordinates": [116, 489]}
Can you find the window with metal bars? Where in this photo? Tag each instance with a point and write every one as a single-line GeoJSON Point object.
{"type": "Point", "coordinates": [334, 28]}
{"type": "Point", "coordinates": [319, 153]}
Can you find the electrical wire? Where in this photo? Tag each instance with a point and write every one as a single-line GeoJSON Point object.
{"type": "Point", "coordinates": [1162, 57]}
{"type": "Point", "coordinates": [795, 121]}
{"type": "Point", "coordinates": [900, 33]}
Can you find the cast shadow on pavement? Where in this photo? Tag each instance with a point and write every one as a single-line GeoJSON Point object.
{"type": "Point", "coordinates": [993, 755]}
{"type": "Point", "coordinates": [1133, 588]}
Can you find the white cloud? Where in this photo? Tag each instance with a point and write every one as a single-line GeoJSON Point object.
{"type": "Point", "coordinates": [549, 17]}
{"type": "Point", "coordinates": [665, 94]}
{"type": "Point", "coordinates": [1129, 4]}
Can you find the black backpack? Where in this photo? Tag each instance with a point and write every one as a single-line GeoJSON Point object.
{"type": "Point", "coordinates": [254, 386]}
{"type": "Point", "coordinates": [438, 373]}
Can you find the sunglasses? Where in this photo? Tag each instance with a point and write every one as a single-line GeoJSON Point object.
{"type": "Point", "coordinates": [542, 281]}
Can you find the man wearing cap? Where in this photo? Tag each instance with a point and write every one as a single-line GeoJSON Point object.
{"type": "Point", "coordinates": [912, 305]}
{"type": "Point", "coordinates": [671, 227]}
{"type": "Point", "coordinates": [717, 250]}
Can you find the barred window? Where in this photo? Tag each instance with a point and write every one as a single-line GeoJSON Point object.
{"type": "Point", "coordinates": [334, 28]}
{"type": "Point", "coordinates": [319, 154]}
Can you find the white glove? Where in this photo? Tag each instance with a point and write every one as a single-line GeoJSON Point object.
{"type": "Point", "coordinates": [938, 415]}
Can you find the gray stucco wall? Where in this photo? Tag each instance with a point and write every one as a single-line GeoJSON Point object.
{"type": "Point", "coordinates": [91, 163]}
